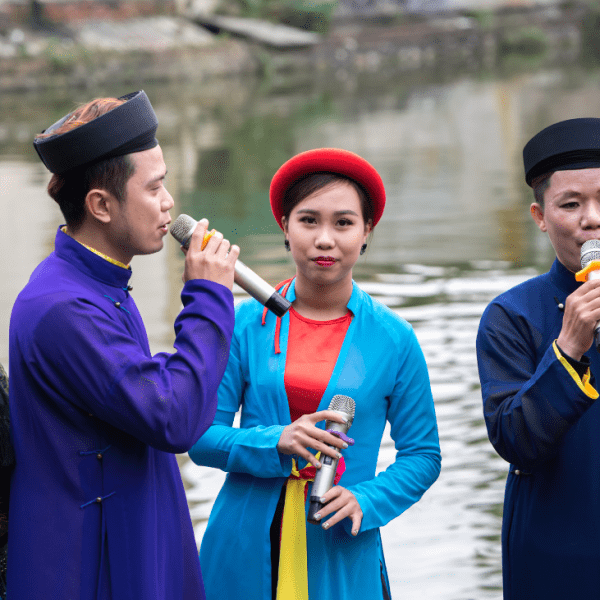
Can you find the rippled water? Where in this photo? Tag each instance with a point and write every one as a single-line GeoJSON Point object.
{"type": "Point", "coordinates": [456, 232]}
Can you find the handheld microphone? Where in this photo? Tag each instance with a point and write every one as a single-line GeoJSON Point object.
{"type": "Point", "coordinates": [590, 254]}
{"type": "Point", "coordinates": [345, 407]}
{"type": "Point", "coordinates": [183, 227]}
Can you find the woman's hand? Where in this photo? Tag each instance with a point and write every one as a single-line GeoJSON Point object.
{"type": "Point", "coordinates": [344, 503]}
{"type": "Point", "coordinates": [302, 434]}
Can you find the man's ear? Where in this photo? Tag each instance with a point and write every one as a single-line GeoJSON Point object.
{"type": "Point", "coordinates": [99, 204]}
{"type": "Point", "coordinates": [537, 212]}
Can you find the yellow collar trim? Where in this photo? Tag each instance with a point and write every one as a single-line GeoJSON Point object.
{"type": "Point", "coordinates": [100, 254]}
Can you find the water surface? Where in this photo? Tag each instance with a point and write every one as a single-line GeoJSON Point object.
{"type": "Point", "coordinates": [456, 232]}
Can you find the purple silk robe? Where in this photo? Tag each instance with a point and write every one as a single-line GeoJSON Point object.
{"type": "Point", "coordinates": [98, 509]}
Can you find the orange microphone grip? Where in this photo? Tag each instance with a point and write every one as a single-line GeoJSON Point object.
{"type": "Point", "coordinates": [207, 237]}
{"type": "Point", "coordinates": [584, 274]}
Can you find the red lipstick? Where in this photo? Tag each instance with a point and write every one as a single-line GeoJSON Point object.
{"type": "Point", "coordinates": [324, 261]}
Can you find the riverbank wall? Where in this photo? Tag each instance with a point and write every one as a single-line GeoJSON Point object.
{"type": "Point", "coordinates": [133, 49]}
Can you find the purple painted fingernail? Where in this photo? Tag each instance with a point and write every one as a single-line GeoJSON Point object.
{"type": "Point", "coordinates": [342, 436]}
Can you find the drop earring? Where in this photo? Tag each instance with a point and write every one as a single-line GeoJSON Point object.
{"type": "Point", "coordinates": [363, 248]}
{"type": "Point", "coordinates": [286, 243]}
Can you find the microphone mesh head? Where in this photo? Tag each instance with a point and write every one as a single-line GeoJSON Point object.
{"type": "Point", "coordinates": [590, 251]}
{"type": "Point", "coordinates": [343, 404]}
{"type": "Point", "coordinates": [182, 228]}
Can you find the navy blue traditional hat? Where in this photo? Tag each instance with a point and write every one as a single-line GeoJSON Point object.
{"type": "Point", "coordinates": [564, 146]}
{"type": "Point", "coordinates": [130, 127]}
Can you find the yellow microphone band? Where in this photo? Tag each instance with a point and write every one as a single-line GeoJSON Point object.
{"type": "Point", "coordinates": [207, 237]}
{"type": "Point", "coordinates": [584, 273]}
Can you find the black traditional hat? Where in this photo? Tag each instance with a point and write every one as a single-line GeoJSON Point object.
{"type": "Point", "coordinates": [130, 127]}
{"type": "Point", "coordinates": [564, 146]}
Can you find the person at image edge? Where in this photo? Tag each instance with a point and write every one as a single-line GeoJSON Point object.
{"type": "Point", "coordinates": [537, 363]}
{"type": "Point", "coordinates": [97, 506]}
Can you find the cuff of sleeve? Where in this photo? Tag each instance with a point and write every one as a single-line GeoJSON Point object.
{"type": "Point", "coordinates": [583, 382]}
{"type": "Point", "coordinates": [580, 366]}
{"type": "Point", "coordinates": [255, 452]}
{"type": "Point", "coordinates": [205, 285]}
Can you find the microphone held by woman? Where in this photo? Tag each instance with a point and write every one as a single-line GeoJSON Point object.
{"type": "Point", "coordinates": [182, 229]}
{"type": "Point", "coordinates": [345, 407]}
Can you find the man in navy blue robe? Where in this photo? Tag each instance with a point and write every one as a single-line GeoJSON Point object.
{"type": "Point", "coordinates": [98, 509]}
{"type": "Point", "coordinates": [537, 360]}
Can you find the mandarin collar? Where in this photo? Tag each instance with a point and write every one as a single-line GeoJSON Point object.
{"type": "Point", "coordinates": [353, 303]}
{"type": "Point", "coordinates": [87, 262]}
{"type": "Point", "coordinates": [562, 278]}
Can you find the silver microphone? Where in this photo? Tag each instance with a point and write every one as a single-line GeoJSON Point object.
{"type": "Point", "coordinates": [591, 251]}
{"type": "Point", "coordinates": [344, 406]}
{"type": "Point", "coordinates": [182, 229]}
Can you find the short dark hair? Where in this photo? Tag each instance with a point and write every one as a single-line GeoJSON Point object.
{"type": "Point", "coordinates": [70, 189]}
{"type": "Point", "coordinates": [309, 184]}
{"type": "Point", "coordinates": [540, 185]}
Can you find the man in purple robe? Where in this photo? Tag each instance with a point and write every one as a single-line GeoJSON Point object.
{"type": "Point", "coordinates": [98, 509]}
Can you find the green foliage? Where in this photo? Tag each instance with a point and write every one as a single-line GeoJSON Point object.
{"type": "Point", "coordinates": [485, 18]}
{"type": "Point", "coordinates": [528, 41]}
{"type": "Point", "coordinates": [310, 15]}
{"type": "Point", "coordinates": [317, 20]}
{"type": "Point", "coordinates": [590, 31]}
{"type": "Point", "coordinates": [62, 57]}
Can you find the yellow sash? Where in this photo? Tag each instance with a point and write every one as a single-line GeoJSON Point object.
{"type": "Point", "coordinates": [293, 577]}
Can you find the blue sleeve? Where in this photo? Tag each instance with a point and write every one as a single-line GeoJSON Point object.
{"type": "Point", "coordinates": [411, 414]}
{"type": "Point", "coordinates": [529, 403]}
{"type": "Point", "coordinates": [250, 450]}
{"type": "Point", "coordinates": [165, 401]}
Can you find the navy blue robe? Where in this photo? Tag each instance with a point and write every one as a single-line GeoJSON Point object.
{"type": "Point", "coordinates": [542, 419]}
{"type": "Point", "coordinates": [98, 509]}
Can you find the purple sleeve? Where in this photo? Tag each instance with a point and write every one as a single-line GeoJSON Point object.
{"type": "Point", "coordinates": [166, 401]}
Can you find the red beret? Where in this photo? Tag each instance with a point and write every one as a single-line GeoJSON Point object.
{"type": "Point", "coordinates": [331, 160]}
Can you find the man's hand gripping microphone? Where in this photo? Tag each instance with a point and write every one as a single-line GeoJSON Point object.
{"type": "Point", "coordinates": [590, 270]}
{"type": "Point", "coordinates": [182, 229]}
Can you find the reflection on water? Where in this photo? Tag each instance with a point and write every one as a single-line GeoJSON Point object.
{"type": "Point", "coordinates": [456, 232]}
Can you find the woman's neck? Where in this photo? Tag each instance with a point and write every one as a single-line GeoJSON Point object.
{"type": "Point", "coordinates": [322, 302]}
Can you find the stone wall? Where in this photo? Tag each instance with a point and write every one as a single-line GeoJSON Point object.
{"type": "Point", "coordinates": [76, 11]}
